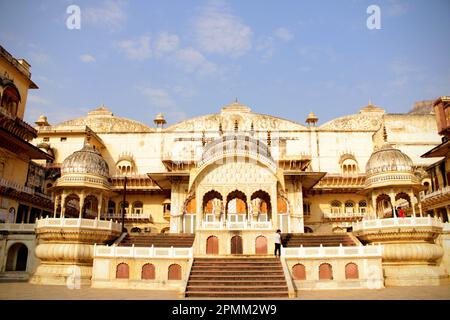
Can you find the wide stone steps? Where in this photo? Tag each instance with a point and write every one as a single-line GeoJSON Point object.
{"type": "Point", "coordinates": [237, 277]}
{"type": "Point", "coordinates": [234, 294]}
{"type": "Point", "coordinates": [159, 240]}
{"type": "Point", "coordinates": [237, 283]}
{"type": "Point", "coordinates": [308, 240]}
{"type": "Point", "coordinates": [250, 278]}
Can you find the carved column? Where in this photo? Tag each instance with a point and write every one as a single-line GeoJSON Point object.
{"type": "Point", "coordinates": [99, 206]}
{"type": "Point", "coordinates": [82, 197]}
{"type": "Point", "coordinates": [374, 205]}
{"type": "Point", "coordinates": [55, 210]}
{"type": "Point", "coordinates": [63, 205]}
{"type": "Point", "coordinates": [413, 205]}
{"type": "Point", "coordinates": [392, 197]}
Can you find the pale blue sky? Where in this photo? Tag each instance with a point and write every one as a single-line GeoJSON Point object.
{"type": "Point", "coordinates": [187, 58]}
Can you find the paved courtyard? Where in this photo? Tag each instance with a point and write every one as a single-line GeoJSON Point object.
{"type": "Point", "coordinates": [26, 291]}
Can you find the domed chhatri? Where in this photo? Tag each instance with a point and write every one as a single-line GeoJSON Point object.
{"type": "Point", "coordinates": [388, 159]}
{"type": "Point", "coordinates": [86, 161]}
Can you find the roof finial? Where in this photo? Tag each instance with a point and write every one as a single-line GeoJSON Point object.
{"type": "Point", "coordinates": [236, 100]}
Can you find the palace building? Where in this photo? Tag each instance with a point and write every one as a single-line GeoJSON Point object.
{"type": "Point", "coordinates": [194, 206]}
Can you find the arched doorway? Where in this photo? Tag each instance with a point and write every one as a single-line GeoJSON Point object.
{"type": "Point", "coordinates": [261, 245]}
{"type": "Point", "coordinates": [17, 257]}
{"type": "Point", "coordinates": [90, 207]}
{"type": "Point", "coordinates": [72, 206]}
{"type": "Point", "coordinates": [236, 245]}
{"type": "Point", "coordinates": [384, 207]}
{"type": "Point", "coordinates": [212, 245]}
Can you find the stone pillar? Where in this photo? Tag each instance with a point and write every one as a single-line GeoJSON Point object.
{"type": "Point", "coordinates": [411, 197]}
{"type": "Point", "coordinates": [297, 222]}
{"type": "Point", "coordinates": [274, 205]}
{"type": "Point", "coordinates": [63, 205]}
{"type": "Point", "coordinates": [82, 196]}
{"type": "Point", "coordinates": [392, 197]}
{"type": "Point", "coordinates": [99, 206]}
{"type": "Point", "coordinates": [374, 205]}
{"type": "Point", "coordinates": [55, 210]}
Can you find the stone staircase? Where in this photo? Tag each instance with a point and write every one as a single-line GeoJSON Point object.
{"type": "Point", "coordinates": [237, 277]}
{"type": "Point", "coordinates": [179, 240]}
{"type": "Point", "coordinates": [315, 240]}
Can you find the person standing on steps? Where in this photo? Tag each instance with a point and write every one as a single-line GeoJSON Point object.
{"type": "Point", "coordinates": [277, 242]}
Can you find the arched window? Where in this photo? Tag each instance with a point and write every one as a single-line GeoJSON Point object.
{"type": "Point", "coordinates": [362, 206]}
{"type": "Point", "coordinates": [10, 99]}
{"type": "Point", "coordinates": [122, 271]}
{"type": "Point", "coordinates": [325, 272]}
{"type": "Point", "coordinates": [111, 207]}
{"type": "Point", "coordinates": [174, 272]}
{"type": "Point", "coordinates": [349, 165]}
{"type": "Point", "coordinates": [299, 272]}
{"type": "Point", "coordinates": [349, 206]}
{"type": "Point", "coordinates": [351, 271]}
{"type": "Point", "coordinates": [148, 272]}
{"type": "Point", "coordinates": [137, 207]}
{"type": "Point", "coordinates": [127, 207]}
{"type": "Point", "coordinates": [336, 206]}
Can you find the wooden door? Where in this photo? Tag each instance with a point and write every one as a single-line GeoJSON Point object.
{"type": "Point", "coordinates": [236, 245]}
{"type": "Point", "coordinates": [261, 245]}
{"type": "Point", "coordinates": [212, 245]}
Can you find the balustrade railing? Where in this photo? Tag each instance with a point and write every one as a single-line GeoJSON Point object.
{"type": "Point", "coordinates": [237, 225]}
{"type": "Point", "coordinates": [118, 215]}
{"type": "Point", "coordinates": [29, 227]}
{"type": "Point", "coordinates": [332, 252]}
{"type": "Point", "coordinates": [78, 223]}
{"type": "Point", "coordinates": [397, 222]}
{"type": "Point", "coordinates": [22, 188]}
{"type": "Point", "coordinates": [102, 251]}
{"type": "Point", "coordinates": [437, 193]}
{"type": "Point", "coordinates": [336, 215]}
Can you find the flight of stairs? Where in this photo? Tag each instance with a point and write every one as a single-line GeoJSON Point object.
{"type": "Point", "coordinates": [315, 240]}
{"type": "Point", "coordinates": [179, 240]}
{"type": "Point", "coordinates": [237, 277]}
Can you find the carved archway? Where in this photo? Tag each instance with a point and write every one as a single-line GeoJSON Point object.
{"type": "Point", "coordinates": [238, 203]}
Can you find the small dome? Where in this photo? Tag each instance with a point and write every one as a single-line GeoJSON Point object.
{"type": "Point", "coordinates": [42, 121]}
{"type": "Point", "coordinates": [87, 160]}
{"type": "Point", "coordinates": [388, 159]}
{"type": "Point", "coordinates": [312, 118]}
{"type": "Point", "coordinates": [159, 119]}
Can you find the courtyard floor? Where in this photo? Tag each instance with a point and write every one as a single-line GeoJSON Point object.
{"type": "Point", "coordinates": [26, 291]}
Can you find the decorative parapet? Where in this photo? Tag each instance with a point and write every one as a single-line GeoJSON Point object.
{"type": "Point", "coordinates": [21, 188]}
{"type": "Point", "coordinates": [344, 215]}
{"type": "Point", "coordinates": [130, 216]}
{"type": "Point", "coordinates": [18, 227]}
{"type": "Point", "coordinates": [435, 197]}
{"type": "Point", "coordinates": [333, 252]}
{"type": "Point", "coordinates": [78, 223]}
{"type": "Point", "coordinates": [412, 222]}
{"type": "Point", "coordinates": [101, 251]}
{"type": "Point", "coordinates": [236, 225]}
